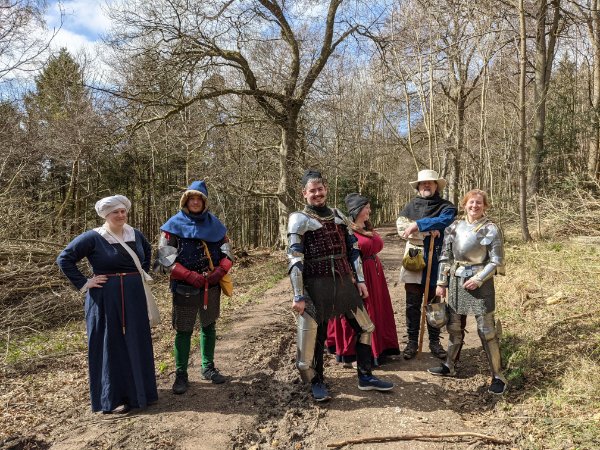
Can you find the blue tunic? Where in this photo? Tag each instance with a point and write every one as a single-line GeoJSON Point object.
{"type": "Point", "coordinates": [121, 366]}
{"type": "Point", "coordinates": [444, 219]}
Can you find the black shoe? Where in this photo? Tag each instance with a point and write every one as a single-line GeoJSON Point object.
{"type": "Point", "coordinates": [497, 387]}
{"type": "Point", "coordinates": [441, 371]}
{"type": "Point", "coordinates": [320, 392]}
{"type": "Point", "coordinates": [212, 373]}
{"type": "Point", "coordinates": [437, 350]}
{"type": "Point", "coordinates": [181, 383]}
{"type": "Point", "coordinates": [411, 349]}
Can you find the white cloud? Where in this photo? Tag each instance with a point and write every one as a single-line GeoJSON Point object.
{"type": "Point", "coordinates": [85, 16]}
{"type": "Point", "coordinates": [73, 42]}
{"type": "Point", "coordinates": [78, 24]}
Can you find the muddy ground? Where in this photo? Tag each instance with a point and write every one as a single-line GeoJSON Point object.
{"type": "Point", "coordinates": [263, 405]}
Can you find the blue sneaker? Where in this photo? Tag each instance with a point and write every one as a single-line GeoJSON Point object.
{"type": "Point", "coordinates": [372, 383]}
{"type": "Point", "coordinates": [319, 392]}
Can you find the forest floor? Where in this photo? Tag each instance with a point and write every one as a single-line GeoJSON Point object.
{"type": "Point", "coordinates": [263, 405]}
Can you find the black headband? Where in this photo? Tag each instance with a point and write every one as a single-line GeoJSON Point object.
{"type": "Point", "coordinates": [310, 175]}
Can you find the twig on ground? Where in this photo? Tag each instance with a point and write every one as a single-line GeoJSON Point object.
{"type": "Point", "coordinates": [412, 437]}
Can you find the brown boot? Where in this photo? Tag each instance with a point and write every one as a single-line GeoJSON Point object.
{"type": "Point", "coordinates": [437, 350]}
{"type": "Point", "coordinates": [411, 349]}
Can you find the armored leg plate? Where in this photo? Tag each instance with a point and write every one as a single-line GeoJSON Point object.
{"type": "Point", "coordinates": [366, 325]}
{"type": "Point", "coordinates": [456, 335]}
{"type": "Point", "coordinates": [306, 339]}
{"type": "Point", "coordinates": [486, 328]}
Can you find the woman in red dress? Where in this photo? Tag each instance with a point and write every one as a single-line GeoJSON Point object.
{"type": "Point", "coordinates": [340, 335]}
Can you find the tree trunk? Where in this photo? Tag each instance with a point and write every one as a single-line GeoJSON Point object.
{"type": "Point", "coordinates": [543, 68]}
{"type": "Point", "coordinates": [537, 142]}
{"type": "Point", "coordinates": [68, 197]}
{"type": "Point", "coordinates": [523, 126]}
{"type": "Point", "coordinates": [594, 143]}
{"type": "Point", "coordinates": [460, 131]}
{"type": "Point", "coordinates": [285, 195]}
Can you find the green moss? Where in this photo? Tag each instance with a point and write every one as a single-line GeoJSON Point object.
{"type": "Point", "coordinates": [57, 342]}
{"type": "Point", "coordinates": [162, 366]}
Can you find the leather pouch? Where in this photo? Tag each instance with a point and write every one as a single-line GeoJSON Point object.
{"type": "Point", "coordinates": [414, 260]}
{"type": "Point", "coordinates": [187, 291]}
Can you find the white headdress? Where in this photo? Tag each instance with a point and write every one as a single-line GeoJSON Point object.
{"type": "Point", "coordinates": [106, 205]}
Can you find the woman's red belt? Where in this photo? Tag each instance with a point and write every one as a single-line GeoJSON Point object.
{"type": "Point", "coordinates": [121, 275]}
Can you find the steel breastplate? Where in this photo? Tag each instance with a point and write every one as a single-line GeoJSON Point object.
{"type": "Point", "coordinates": [467, 245]}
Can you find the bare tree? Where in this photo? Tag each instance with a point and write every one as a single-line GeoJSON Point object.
{"type": "Point", "coordinates": [522, 122]}
{"type": "Point", "coordinates": [19, 46]}
{"type": "Point", "coordinates": [589, 14]}
{"type": "Point", "coordinates": [545, 49]}
{"type": "Point", "coordinates": [269, 50]}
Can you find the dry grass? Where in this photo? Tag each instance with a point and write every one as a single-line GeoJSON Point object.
{"type": "Point", "coordinates": [551, 342]}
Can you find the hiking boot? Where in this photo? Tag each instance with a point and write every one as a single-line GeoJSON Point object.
{"type": "Point", "coordinates": [497, 387]}
{"type": "Point", "coordinates": [441, 371]}
{"type": "Point", "coordinates": [437, 350]}
{"type": "Point", "coordinates": [411, 349]}
{"type": "Point", "coordinates": [320, 392]}
{"type": "Point", "coordinates": [369, 382]}
{"type": "Point", "coordinates": [181, 383]}
{"type": "Point", "coordinates": [211, 373]}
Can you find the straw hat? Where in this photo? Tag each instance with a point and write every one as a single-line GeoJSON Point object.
{"type": "Point", "coordinates": [429, 175]}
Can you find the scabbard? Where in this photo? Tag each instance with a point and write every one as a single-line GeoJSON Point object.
{"type": "Point", "coordinates": [206, 295]}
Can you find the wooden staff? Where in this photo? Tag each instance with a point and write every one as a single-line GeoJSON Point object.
{"type": "Point", "coordinates": [426, 295]}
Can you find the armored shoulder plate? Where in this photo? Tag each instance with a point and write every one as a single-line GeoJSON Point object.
{"type": "Point", "coordinates": [226, 249]}
{"type": "Point", "coordinates": [450, 232]}
{"type": "Point", "coordinates": [340, 218]}
{"type": "Point", "coordinates": [488, 233]}
{"type": "Point", "coordinates": [299, 223]}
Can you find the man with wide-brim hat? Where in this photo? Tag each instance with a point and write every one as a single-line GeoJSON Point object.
{"type": "Point", "coordinates": [423, 218]}
{"type": "Point", "coordinates": [429, 175]}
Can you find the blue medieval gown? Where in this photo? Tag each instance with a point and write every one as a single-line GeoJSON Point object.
{"type": "Point", "coordinates": [121, 364]}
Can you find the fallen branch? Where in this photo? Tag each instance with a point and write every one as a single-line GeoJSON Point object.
{"type": "Point", "coordinates": [412, 437]}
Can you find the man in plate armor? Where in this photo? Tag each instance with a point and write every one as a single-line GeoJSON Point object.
{"type": "Point", "coordinates": [195, 250]}
{"type": "Point", "coordinates": [327, 279]}
{"type": "Point", "coordinates": [473, 253]}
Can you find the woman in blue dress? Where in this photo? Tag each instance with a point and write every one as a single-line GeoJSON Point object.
{"type": "Point", "coordinates": [120, 355]}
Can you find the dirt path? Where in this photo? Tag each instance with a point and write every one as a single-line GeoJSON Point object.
{"type": "Point", "coordinates": [264, 406]}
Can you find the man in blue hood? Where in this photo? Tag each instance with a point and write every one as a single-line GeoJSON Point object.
{"type": "Point", "coordinates": [195, 250]}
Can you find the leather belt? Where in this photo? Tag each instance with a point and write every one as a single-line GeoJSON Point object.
{"type": "Point", "coordinates": [121, 275]}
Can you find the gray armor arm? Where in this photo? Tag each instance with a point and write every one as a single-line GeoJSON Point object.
{"type": "Point", "coordinates": [167, 253]}
{"type": "Point", "coordinates": [298, 224]}
{"type": "Point", "coordinates": [357, 265]}
{"type": "Point", "coordinates": [295, 256]}
{"type": "Point", "coordinates": [352, 246]}
{"type": "Point", "coordinates": [446, 258]}
{"type": "Point", "coordinates": [226, 249]}
{"type": "Point", "coordinates": [492, 239]}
